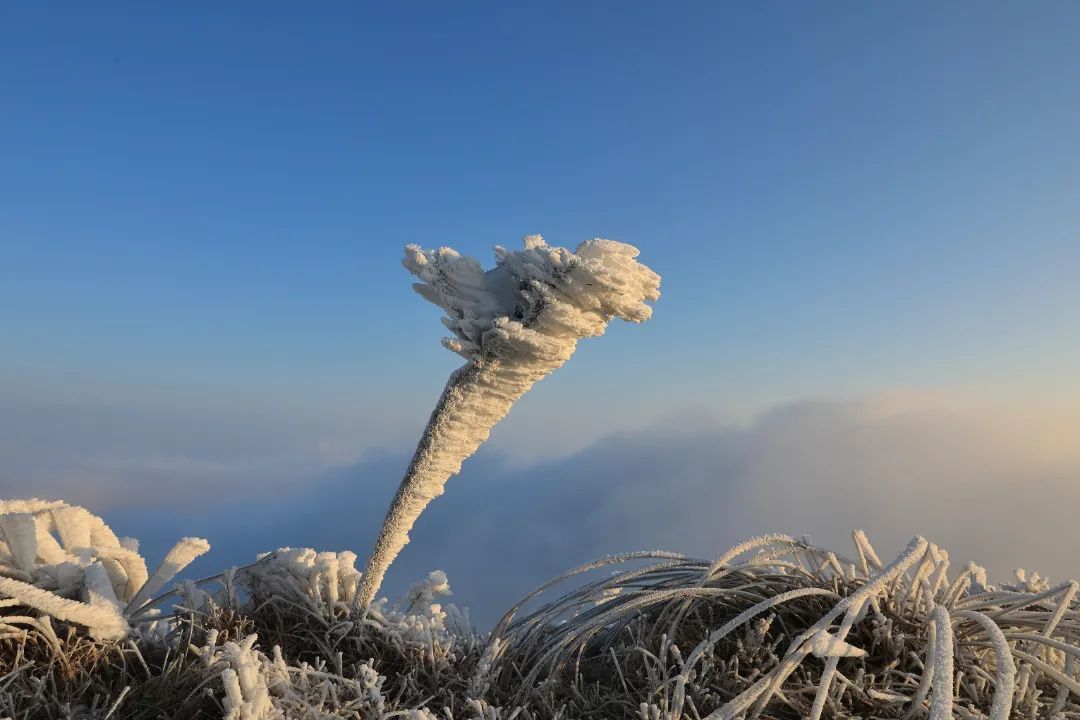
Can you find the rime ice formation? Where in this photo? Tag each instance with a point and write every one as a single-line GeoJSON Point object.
{"type": "Point", "coordinates": [321, 581]}
{"type": "Point", "coordinates": [915, 641]}
{"type": "Point", "coordinates": [514, 325]}
{"type": "Point", "coordinates": [806, 632]}
{"type": "Point", "coordinates": [65, 562]}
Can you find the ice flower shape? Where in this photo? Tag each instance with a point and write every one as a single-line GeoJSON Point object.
{"type": "Point", "coordinates": [514, 324]}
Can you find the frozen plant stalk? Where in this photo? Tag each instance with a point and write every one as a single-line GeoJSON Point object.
{"type": "Point", "coordinates": [514, 324]}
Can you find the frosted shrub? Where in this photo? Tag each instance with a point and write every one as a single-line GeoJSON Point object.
{"type": "Point", "coordinates": [65, 562]}
{"type": "Point", "coordinates": [322, 581]}
{"type": "Point", "coordinates": [514, 325]}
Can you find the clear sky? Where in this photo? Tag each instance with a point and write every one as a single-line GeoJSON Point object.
{"type": "Point", "coordinates": [203, 206]}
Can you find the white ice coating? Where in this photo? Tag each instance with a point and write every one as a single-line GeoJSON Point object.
{"type": "Point", "coordinates": [941, 702]}
{"type": "Point", "coordinates": [181, 555]}
{"type": "Point", "coordinates": [514, 325]}
{"type": "Point", "coordinates": [101, 620]}
{"type": "Point", "coordinates": [319, 580]}
{"type": "Point", "coordinates": [63, 560]}
{"type": "Point", "coordinates": [826, 645]}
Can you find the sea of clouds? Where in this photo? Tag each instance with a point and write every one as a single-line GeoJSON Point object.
{"type": "Point", "coordinates": [995, 483]}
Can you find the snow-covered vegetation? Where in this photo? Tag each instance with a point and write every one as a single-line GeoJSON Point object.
{"type": "Point", "coordinates": [774, 628]}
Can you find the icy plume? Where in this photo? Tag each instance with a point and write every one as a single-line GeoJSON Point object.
{"type": "Point", "coordinates": [65, 562]}
{"type": "Point", "coordinates": [514, 325]}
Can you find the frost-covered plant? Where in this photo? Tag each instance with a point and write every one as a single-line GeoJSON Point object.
{"type": "Point", "coordinates": [65, 562]}
{"type": "Point", "coordinates": [244, 672]}
{"type": "Point", "coordinates": [514, 325]}
{"type": "Point", "coordinates": [774, 628]}
{"type": "Point", "coordinates": [323, 581]}
{"type": "Point", "coordinates": [791, 629]}
{"type": "Point", "coordinates": [257, 687]}
{"type": "Point", "coordinates": [289, 584]}
{"type": "Point", "coordinates": [326, 582]}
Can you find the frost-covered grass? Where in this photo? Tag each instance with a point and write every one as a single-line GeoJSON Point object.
{"type": "Point", "coordinates": [279, 639]}
{"type": "Point", "coordinates": [66, 563]}
{"type": "Point", "coordinates": [775, 628]}
{"type": "Point", "coordinates": [795, 631]}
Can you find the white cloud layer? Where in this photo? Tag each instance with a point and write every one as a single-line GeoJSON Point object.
{"type": "Point", "coordinates": [994, 483]}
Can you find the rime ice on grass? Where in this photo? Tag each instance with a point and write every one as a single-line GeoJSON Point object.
{"type": "Point", "coordinates": [321, 581]}
{"type": "Point", "coordinates": [514, 325]}
{"type": "Point", "coordinates": [901, 639]}
{"type": "Point", "coordinates": [65, 562]}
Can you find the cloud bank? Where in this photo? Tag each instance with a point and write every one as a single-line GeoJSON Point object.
{"type": "Point", "coordinates": [122, 446]}
{"type": "Point", "coordinates": [992, 484]}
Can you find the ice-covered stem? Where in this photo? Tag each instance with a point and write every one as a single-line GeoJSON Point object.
{"type": "Point", "coordinates": [102, 620]}
{"type": "Point", "coordinates": [514, 324]}
{"type": "Point", "coordinates": [177, 559]}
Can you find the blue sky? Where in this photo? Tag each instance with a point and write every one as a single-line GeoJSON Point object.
{"type": "Point", "coordinates": [202, 210]}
